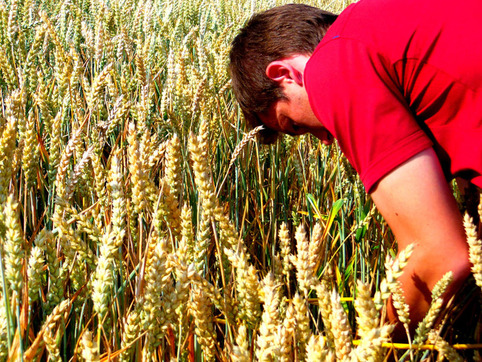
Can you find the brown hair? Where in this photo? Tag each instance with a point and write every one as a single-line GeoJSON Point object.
{"type": "Point", "coordinates": [270, 35]}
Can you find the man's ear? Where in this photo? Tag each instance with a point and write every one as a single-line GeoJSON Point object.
{"type": "Point", "coordinates": [281, 71]}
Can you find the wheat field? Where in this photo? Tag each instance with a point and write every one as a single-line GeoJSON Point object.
{"type": "Point", "coordinates": [141, 220]}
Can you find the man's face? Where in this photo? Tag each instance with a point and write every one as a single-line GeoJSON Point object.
{"type": "Point", "coordinates": [294, 116]}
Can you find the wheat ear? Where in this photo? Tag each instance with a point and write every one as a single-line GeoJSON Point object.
{"type": "Point", "coordinates": [475, 249]}
{"type": "Point", "coordinates": [340, 328]}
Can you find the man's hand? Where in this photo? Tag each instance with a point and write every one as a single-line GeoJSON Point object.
{"type": "Point", "coordinates": [418, 204]}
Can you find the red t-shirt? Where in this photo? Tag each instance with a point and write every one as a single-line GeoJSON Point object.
{"type": "Point", "coordinates": [394, 77]}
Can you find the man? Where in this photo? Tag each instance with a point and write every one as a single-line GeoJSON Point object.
{"type": "Point", "coordinates": [399, 85]}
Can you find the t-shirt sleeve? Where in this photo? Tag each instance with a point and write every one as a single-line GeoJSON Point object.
{"type": "Point", "coordinates": [355, 94]}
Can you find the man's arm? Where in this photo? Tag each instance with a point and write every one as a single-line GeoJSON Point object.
{"type": "Point", "coordinates": [419, 206]}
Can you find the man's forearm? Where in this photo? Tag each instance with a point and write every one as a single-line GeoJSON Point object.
{"type": "Point", "coordinates": [419, 206]}
{"type": "Point", "coordinates": [418, 280]}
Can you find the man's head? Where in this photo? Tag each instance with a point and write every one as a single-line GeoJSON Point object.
{"type": "Point", "coordinates": [275, 34]}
